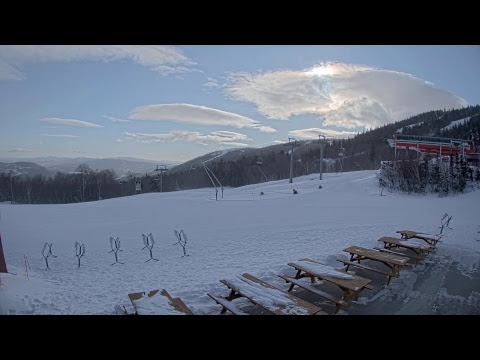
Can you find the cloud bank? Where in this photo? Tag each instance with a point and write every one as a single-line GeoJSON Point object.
{"type": "Point", "coordinates": [313, 133]}
{"type": "Point", "coordinates": [219, 137]}
{"type": "Point", "coordinates": [342, 95]}
{"type": "Point", "coordinates": [61, 136]}
{"type": "Point", "coordinates": [162, 59]}
{"type": "Point", "coordinates": [198, 115]}
{"type": "Point", "coordinates": [71, 122]}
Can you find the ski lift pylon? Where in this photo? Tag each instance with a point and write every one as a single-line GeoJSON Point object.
{"type": "Point", "coordinates": [341, 151]}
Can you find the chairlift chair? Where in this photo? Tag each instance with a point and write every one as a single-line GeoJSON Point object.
{"type": "Point", "coordinates": [259, 161]}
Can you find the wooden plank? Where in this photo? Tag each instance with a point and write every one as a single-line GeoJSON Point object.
{"type": "Point", "coordinates": [124, 310]}
{"type": "Point", "coordinates": [408, 234]}
{"type": "Point", "coordinates": [368, 286]}
{"type": "Point", "coordinates": [139, 295]}
{"type": "Point", "coordinates": [353, 283]}
{"type": "Point", "coordinates": [229, 305]}
{"type": "Point", "coordinates": [310, 308]}
{"type": "Point", "coordinates": [395, 242]}
{"type": "Point", "coordinates": [411, 232]}
{"type": "Point", "coordinates": [356, 264]}
{"type": "Point", "coordinates": [268, 297]}
{"type": "Point", "coordinates": [176, 303]}
{"type": "Point", "coordinates": [414, 256]}
{"type": "Point", "coordinates": [419, 235]}
{"type": "Point", "coordinates": [338, 302]}
{"type": "Point", "coordinates": [313, 289]}
{"type": "Point", "coordinates": [376, 255]}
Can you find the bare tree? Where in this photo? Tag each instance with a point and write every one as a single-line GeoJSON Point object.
{"type": "Point", "coordinates": [84, 170]}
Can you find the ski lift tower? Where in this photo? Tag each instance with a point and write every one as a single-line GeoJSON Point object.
{"type": "Point", "coordinates": [341, 154]}
{"type": "Point", "coordinates": [260, 162]}
{"type": "Point", "coordinates": [138, 185]}
{"type": "Point", "coordinates": [161, 169]}
{"type": "Point", "coordinates": [291, 142]}
{"type": "Point", "coordinates": [212, 176]}
{"type": "Point", "coordinates": [322, 142]}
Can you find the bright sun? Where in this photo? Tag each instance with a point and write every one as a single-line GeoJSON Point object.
{"type": "Point", "coordinates": [321, 70]}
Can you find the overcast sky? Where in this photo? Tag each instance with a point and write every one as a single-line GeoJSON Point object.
{"type": "Point", "coordinates": [180, 102]}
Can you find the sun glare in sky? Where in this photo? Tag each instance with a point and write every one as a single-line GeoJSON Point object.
{"type": "Point", "coordinates": [322, 70]}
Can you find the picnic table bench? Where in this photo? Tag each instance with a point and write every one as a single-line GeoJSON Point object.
{"type": "Point", "coordinates": [125, 309]}
{"type": "Point", "coordinates": [418, 251]}
{"type": "Point", "coordinates": [227, 304]}
{"type": "Point", "coordinates": [266, 296]}
{"type": "Point", "coordinates": [161, 304]}
{"type": "Point", "coordinates": [350, 285]}
{"type": "Point", "coordinates": [428, 238]}
{"type": "Point", "coordinates": [416, 257]}
{"type": "Point", "coordinates": [393, 262]}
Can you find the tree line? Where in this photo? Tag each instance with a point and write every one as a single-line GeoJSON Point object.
{"type": "Point", "coordinates": [444, 176]}
{"type": "Point", "coordinates": [365, 151]}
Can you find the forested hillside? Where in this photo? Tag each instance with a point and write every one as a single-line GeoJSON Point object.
{"type": "Point", "coordinates": [240, 167]}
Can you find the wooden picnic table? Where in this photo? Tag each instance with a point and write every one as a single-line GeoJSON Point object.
{"type": "Point", "coordinates": [350, 285]}
{"type": "Point", "coordinates": [428, 238]}
{"type": "Point", "coordinates": [420, 251]}
{"type": "Point", "coordinates": [393, 262]}
{"type": "Point", "coordinates": [266, 296]}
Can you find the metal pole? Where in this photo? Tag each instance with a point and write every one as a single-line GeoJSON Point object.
{"type": "Point", "coordinates": [292, 142]}
{"type": "Point", "coordinates": [395, 142]}
{"type": "Point", "coordinates": [161, 175]}
{"type": "Point", "coordinates": [291, 157]}
{"type": "Point", "coordinates": [291, 164]}
{"type": "Point", "coordinates": [322, 145]}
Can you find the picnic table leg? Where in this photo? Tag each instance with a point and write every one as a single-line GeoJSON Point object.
{"type": "Point", "coordinates": [358, 258]}
{"type": "Point", "coordinates": [418, 253]}
{"type": "Point", "coordinates": [348, 295]}
{"type": "Point", "coordinates": [352, 259]}
{"type": "Point", "coordinates": [391, 267]}
{"type": "Point", "coordinates": [397, 269]}
{"type": "Point", "coordinates": [230, 297]}
{"type": "Point", "coordinates": [394, 269]}
{"type": "Point", "coordinates": [297, 276]}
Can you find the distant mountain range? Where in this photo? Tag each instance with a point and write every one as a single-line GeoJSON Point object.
{"type": "Point", "coordinates": [49, 166]}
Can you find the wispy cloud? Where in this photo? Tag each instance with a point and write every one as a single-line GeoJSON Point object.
{"type": "Point", "coordinates": [61, 136]}
{"type": "Point", "coordinates": [114, 119]}
{"type": "Point", "coordinates": [20, 150]}
{"type": "Point", "coordinates": [213, 83]}
{"type": "Point", "coordinates": [216, 137]}
{"type": "Point", "coordinates": [313, 133]}
{"type": "Point", "coordinates": [162, 59]}
{"type": "Point", "coordinates": [198, 115]}
{"type": "Point", "coordinates": [342, 95]}
{"type": "Point", "coordinates": [71, 122]}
